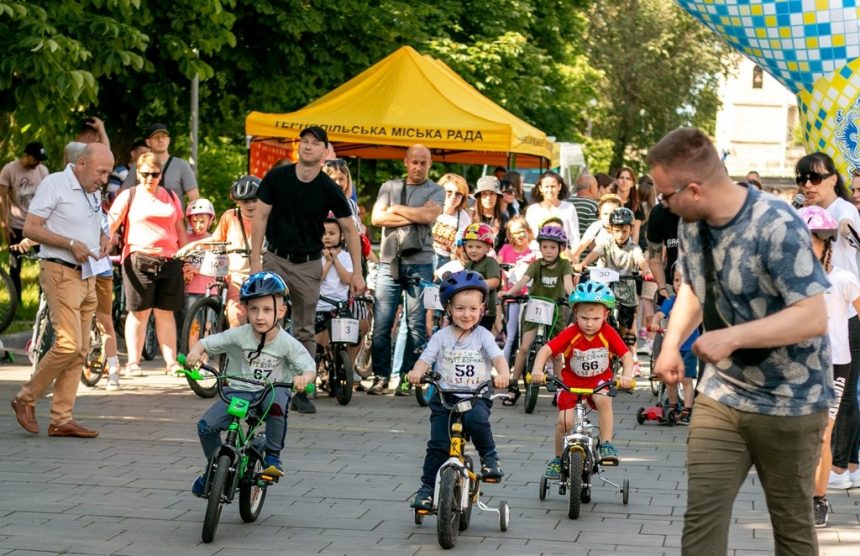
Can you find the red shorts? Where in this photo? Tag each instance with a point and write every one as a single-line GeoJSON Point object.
{"type": "Point", "coordinates": [566, 400]}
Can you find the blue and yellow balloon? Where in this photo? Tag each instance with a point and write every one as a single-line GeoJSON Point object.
{"type": "Point", "coordinates": [810, 46]}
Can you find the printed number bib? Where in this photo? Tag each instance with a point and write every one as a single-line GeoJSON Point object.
{"type": "Point", "coordinates": [463, 369]}
{"type": "Point", "coordinates": [605, 275]}
{"type": "Point", "coordinates": [344, 330]}
{"type": "Point", "coordinates": [214, 265]}
{"type": "Point", "coordinates": [431, 298]}
{"type": "Point", "coordinates": [591, 362]}
{"type": "Point", "coordinates": [539, 311]}
{"type": "Point", "coordinates": [263, 367]}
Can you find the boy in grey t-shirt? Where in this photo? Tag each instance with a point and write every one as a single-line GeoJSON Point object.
{"type": "Point", "coordinates": [258, 351]}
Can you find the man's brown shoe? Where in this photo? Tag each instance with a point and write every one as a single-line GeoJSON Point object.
{"type": "Point", "coordinates": [70, 428]}
{"type": "Point", "coordinates": [26, 415]}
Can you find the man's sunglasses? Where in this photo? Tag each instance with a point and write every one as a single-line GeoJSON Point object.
{"type": "Point", "coordinates": [812, 177]}
{"type": "Point", "coordinates": [150, 174]}
{"type": "Point", "coordinates": [335, 163]}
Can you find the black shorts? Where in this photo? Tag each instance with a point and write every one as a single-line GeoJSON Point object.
{"type": "Point", "coordinates": [163, 290]}
{"type": "Point", "coordinates": [626, 316]}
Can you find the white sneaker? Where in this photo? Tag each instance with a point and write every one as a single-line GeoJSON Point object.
{"type": "Point", "coordinates": [855, 478]}
{"type": "Point", "coordinates": [133, 369]}
{"type": "Point", "coordinates": [839, 481]}
{"type": "Point", "coordinates": [113, 382]}
{"type": "Point", "coordinates": [646, 347]}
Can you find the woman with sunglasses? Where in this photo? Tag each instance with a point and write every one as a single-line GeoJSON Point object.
{"type": "Point", "coordinates": [152, 280]}
{"type": "Point", "coordinates": [452, 221]}
{"type": "Point", "coordinates": [821, 184]}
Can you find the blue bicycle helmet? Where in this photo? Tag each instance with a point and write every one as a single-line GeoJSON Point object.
{"type": "Point", "coordinates": [262, 284]}
{"type": "Point", "coordinates": [460, 281]}
{"type": "Point", "coordinates": [593, 292]}
{"type": "Point", "coordinates": [553, 233]}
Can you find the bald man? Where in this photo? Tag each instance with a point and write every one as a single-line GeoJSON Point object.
{"type": "Point", "coordinates": [65, 217]}
{"type": "Point", "coordinates": [415, 202]}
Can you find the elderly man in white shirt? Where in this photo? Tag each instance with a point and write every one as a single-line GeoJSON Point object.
{"type": "Point", "coordinates": [66, 219]}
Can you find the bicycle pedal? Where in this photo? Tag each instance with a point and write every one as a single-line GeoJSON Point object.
{"type": "Point", "coordinates": [422, 512]}
{"type": "Point", "coordinates": [490, 480]}
{"type": "Point", "coordinates": [609, 462]}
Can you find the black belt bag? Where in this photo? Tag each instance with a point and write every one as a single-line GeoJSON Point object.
{"type": "Point", "coordinates": [147, 264]}
{"type": "Point", "coordinates": [712, 319]}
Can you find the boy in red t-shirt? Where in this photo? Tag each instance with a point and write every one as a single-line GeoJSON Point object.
{"type": "Point", "coordinates": [588, 346]}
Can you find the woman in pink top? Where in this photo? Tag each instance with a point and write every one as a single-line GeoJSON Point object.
{"type": "Point", "coordinates": [152, 278]}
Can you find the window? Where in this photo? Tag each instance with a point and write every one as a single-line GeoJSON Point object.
{"type": "Point", "coordinates": [758, 77]}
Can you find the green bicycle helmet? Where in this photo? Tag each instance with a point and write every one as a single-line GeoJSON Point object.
{"type": "Point", "coordinates": [593, 292]}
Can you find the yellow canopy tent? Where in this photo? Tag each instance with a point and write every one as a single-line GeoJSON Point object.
{"type": "Point", "coordinates": [404, 99]}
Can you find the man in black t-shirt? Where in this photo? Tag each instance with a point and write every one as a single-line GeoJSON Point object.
{"type": "Point", "coordinates": [295, 200]}
{"type": "Point", "coordinates": [662, 232]}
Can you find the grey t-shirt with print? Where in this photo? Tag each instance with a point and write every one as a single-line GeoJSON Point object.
{"type": "Point", "coordinates": [416, 196]}
{"type": "Point", "coordinates": [764, 263]}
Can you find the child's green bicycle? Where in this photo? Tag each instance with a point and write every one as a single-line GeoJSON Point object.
{"type": "Point", "coordinates": [238, 463]}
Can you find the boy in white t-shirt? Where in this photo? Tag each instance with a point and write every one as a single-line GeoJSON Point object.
{"type": "Point", "coordinates": [463, 353]}
{"type": "Point", "coordinates": [260, 350]}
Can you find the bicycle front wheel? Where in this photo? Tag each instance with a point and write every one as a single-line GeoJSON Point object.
{"type": "Point", "coordinates": [203, 319]}
{"type": "Point", "coordinates": [96, 361]}
{"type": "Point", "coordinates": [342, 384]}
{"type": "Point", "coordinates": [8, 300]}
{"type": "Point", "coordinates": [215, 503]}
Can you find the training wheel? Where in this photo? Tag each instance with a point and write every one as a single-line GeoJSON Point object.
{"type": "Point", "coordinates": [640, 415]}
{"type": "Point", "coordinates": [625, 491]}
{"type": "Point", "coordinates": [504, 516]}
{"type": "Point", "coordinates": [419, 519]}
{"type": "Point", "coordinates": [543, 488]}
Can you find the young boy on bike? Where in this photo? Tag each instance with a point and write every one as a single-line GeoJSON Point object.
{"type": "Point", "coordinates": [691, 362]}
{"type": "Point", "coordinates": [588, 345]}
{"type": "Point", "coordinates": [200, 215]}
{"type": "Point", "coordinates": [620, 253]}
{"type": "Point", "coordinates": [551, 277]}
{"type": "Point", "coordinates": [260, 350]}
{"type": "Point", "coordinates": [478, 240]}
{"type": "Point", "coordinates": [234, 228]}
{"type": "Point", "coordinates": [463, 353]}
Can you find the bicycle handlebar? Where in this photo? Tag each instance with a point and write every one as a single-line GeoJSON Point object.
{"type": "Point", "coordinates": [194, 374]}
{"type": "Point", "coordinates": [433, 378]}
{"type": "Point", "coordinates": [613, 385]}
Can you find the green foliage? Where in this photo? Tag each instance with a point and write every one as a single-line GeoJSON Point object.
{"type": "Point", "coordinates": [221, 162]}
{"type": "Point", "coordinates": [661, 70]}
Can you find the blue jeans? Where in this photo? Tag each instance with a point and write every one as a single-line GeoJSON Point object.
{"type": "Point", "coordinates": [387, 297]}
{"type": "Point", "coordinates": [216, 419]}
{"type": "Point", "coordinates": [476, 423]}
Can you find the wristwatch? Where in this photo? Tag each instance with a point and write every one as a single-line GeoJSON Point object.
{"type": "Point", "coordinates": [71, 244]}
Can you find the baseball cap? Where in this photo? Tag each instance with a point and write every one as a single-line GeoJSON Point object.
{"type": "Point", "coordinates": [317, 132]}
{"type": "Point", "coordinates": [488, 183]}
{"type": "Point", "coordinates": [156, 128]}
{"type": "Point", "coordinates": [36, 150]}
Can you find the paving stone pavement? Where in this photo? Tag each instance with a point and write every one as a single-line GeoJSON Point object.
{"type": "Point", "coordinates": [351, 472]}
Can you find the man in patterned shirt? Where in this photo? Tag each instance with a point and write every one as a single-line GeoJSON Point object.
{"type": "Point", "coordinates": [750, 276]}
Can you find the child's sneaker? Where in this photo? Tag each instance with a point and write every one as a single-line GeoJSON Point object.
{"type": "Point", "coordinates": [553, 469]}
{"type": "Point", "coordinates": [302, 404]}
{"type": "Point", "coordinates": [820, 509]}
{"type": "Point", "coordinates": [490, 469]}
{"type": "Point", "coordinates": [608, 454]}
{"type": "Point", "coordinates": [423, 499]}
{"type": "Point", "coordinates": [684, 419]}
{"type": "Point", "coordinates": [404, 388]}
{"type": "Point", "coordinates": [199, 485]}
{"type": "Point", "coordinates": [113, 382]}
{"type": "Point", "coordinates": [855, 478]}
{"type": "Point", "coordinates": [637, 371]}
{"type": "Point", "coordinates": [272, 466]}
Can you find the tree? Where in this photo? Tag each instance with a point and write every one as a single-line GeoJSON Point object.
{"type": "Point", "coordinates": [661, 70]}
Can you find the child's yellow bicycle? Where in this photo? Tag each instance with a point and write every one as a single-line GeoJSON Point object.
{"type": "Point", "coordinates": [458, 486]}
{"type": "Point", "coordinates": [579, 453]}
